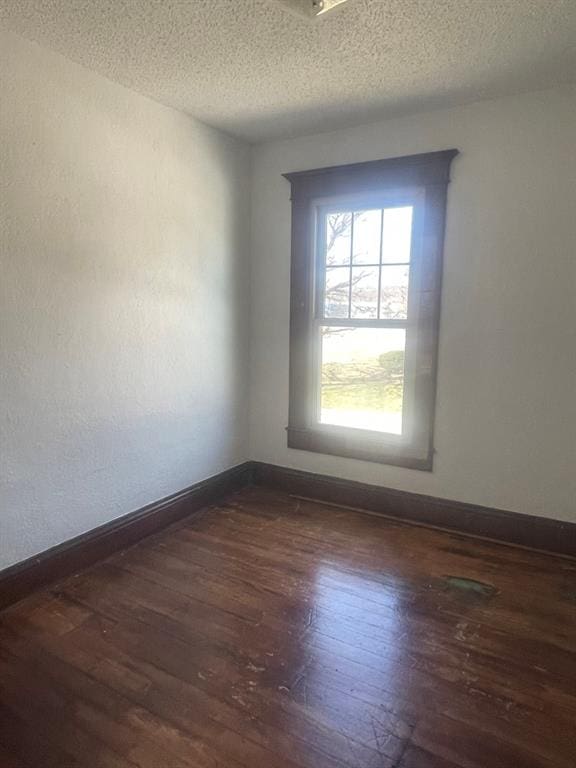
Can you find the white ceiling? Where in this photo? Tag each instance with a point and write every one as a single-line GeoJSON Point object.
{"type": "Point", "coordinates": [258, 71]}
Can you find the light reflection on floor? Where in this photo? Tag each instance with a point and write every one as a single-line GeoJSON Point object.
{"type": "Point", "coordinates": [354, 636]}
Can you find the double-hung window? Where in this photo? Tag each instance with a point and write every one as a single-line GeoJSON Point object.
{"type": "Point", "coordinates": [367, 244]}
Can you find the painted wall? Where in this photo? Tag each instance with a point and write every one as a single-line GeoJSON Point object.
{"type": "Point", "coordinates": [506, 409]}
{"type": "Point", "coordinates": [124, 300]}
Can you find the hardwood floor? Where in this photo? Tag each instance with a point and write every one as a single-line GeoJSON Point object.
{"type": "Point", "coordinates": [271, 632]}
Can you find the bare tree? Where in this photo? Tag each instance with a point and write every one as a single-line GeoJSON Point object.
{"type": "Point", "coordinates": [338, 224]}
{"type": "Point", "coordinates": [339, 294]}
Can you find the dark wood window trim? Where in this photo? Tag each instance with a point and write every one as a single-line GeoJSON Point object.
{"type": "Point", "coordinates": [418, 180]}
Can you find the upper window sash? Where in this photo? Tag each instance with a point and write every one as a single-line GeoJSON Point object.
{"type": "Point", "coordinates": [342, 264]}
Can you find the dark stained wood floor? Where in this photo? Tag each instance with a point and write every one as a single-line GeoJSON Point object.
{"type": "Point", "coordinates": [275, 633]}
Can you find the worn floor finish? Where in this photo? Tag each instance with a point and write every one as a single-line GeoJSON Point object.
{"type": "Point", "coordinates": [275, 633]}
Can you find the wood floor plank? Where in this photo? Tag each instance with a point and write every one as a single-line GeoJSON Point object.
{"type": "Point", "coordinates": [273, 631]}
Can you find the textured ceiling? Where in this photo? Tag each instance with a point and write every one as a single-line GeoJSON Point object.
{"type": "Point", "coordinates": [258, 71]}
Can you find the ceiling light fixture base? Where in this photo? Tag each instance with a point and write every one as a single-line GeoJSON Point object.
{"type": "Point", "coordinates": [310, 9]}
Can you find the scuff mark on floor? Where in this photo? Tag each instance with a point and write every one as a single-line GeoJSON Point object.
{"type": "Point", "coordinates": [464, 585]}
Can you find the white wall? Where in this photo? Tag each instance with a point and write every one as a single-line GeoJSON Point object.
{"type": "Point", "coordinates": [506, 411]}
{"type": "Point", "coordinates": [124, 300]}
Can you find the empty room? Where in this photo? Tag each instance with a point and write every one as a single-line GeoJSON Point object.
{"type": "Point", "coordinates": [287, 383]}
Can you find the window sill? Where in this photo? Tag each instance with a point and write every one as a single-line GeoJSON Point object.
{"type": "Point", "coordinates": [356, 446]}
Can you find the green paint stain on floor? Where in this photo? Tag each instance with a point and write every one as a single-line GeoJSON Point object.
{"type": "Point", "coordinates": [470, 586]}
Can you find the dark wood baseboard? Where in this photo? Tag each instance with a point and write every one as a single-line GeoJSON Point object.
{"type": "Point", "coordinates": [539, 533]}
{"type": "Point", "coordinates": [74, 555]}
{"type": "Point", "coordinates": [544, 534]}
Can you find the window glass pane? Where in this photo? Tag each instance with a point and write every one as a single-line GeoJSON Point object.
{"type": "Point", "coordinates": [397, 235]}
{"type": "Point", "coordinates": [364, 292]}
{"type": "Point", "coordinates": [338, 233]}
{"type": "Point", "coordinates": [394, 293]}
{"type": "Point", "coordinates": [336, 292]}
{"type": "Point", "coordinates": [362, 378]}
{"type": "Point", "coordinates": [366, 237]}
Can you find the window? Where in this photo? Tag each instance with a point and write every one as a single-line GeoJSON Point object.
{"type": "Point", "coordinates": [367, 245]}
